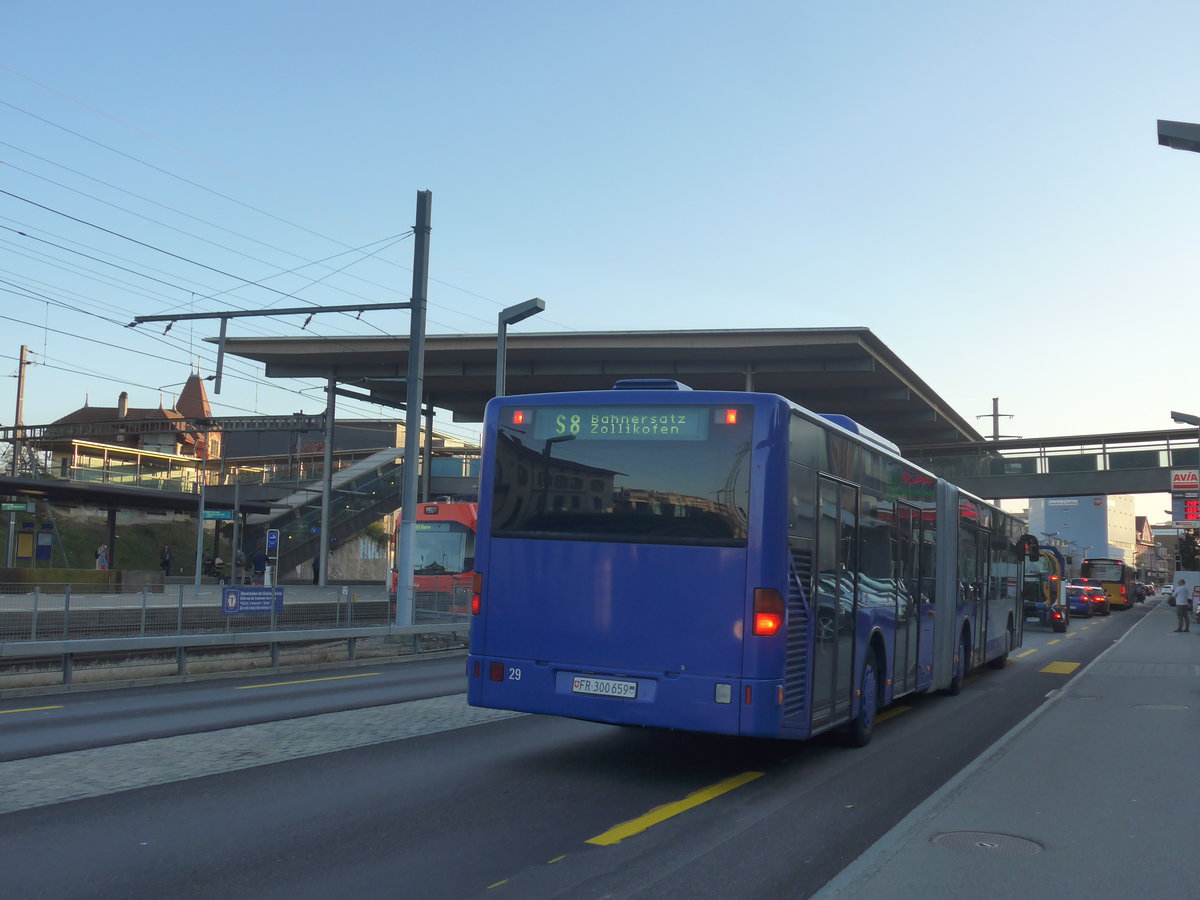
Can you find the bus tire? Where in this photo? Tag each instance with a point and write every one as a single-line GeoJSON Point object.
{"type": "Point", "coordinates": [960, 667]}
{"type": "Point", "coordinates": [862, 726]}
{"type": "Point", "coordinates": [1001, 661]}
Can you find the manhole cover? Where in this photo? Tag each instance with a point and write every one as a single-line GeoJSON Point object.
{"type": "Point", "coordinates": [987, 842]}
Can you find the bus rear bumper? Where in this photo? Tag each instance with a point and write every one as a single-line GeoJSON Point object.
{"type": "Point", "coordinates": [720, 705]}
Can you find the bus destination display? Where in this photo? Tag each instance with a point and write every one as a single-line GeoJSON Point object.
{"type": "Point", "coordinates": [617, 423]}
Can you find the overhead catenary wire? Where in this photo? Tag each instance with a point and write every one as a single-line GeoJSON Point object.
{"type": "Point", "coordinates": [245, 281]}
{"type": "Point", "coordinates": [496, 303]}
{"type": "Point", "coordinates": [238, 375]}
{"type": "Point", "coordinates": [137, 270]}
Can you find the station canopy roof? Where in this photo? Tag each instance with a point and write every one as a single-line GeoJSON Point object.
{"type": "Point", "coordinates": [827, 370]}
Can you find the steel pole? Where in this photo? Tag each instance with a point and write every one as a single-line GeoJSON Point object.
{"type": "Point", "coordinates": [326, 484]}
{"type": "Point", "coordinates": [16, 452]}
{"type": "Point", "coordinates": [501, 352]}
{"type": "Point", "coordinates": [412, 414]}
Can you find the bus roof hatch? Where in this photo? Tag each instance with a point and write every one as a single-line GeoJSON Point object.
{"type": "Point", "coordinates": [650, 384]}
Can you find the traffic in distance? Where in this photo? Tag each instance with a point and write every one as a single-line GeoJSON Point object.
{"type": "Point", "coordinates": [725, 562]}
{"type": "Point", "coordinates": [1116, 578]}
{"type": "Point", "coordinates": [1051, 599]}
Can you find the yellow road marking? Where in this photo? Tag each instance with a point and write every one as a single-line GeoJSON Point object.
{"type": "Point", "coordinates": [497, 884]}
{"type": "Point", "coordinates": [618, 833]}
{"type": "Point", "coordinates": [1051, 643]}
{"type": "Point", "coordinates": [250, 687]}
{"type": "Point", "coordinates": [1026, 653]}
{"type": "Point", "coordinates": [1061, 668]}
{"type": "Point", "coordinates": [891, 713]}
{"type": "Point", "coordinates": [28, 709]}
{"type": "Point", "coordinates": [551, 862]}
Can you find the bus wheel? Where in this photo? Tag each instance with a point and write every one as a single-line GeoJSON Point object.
{"type": "Point", "coordinates": [863, 724]}
{"type": "Point", "coordinates": [960, 668]}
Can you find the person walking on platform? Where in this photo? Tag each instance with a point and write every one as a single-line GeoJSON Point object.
{"type": "Point", "coordinates": [1182, 601]}
{"type": "Point", "coordinates": [259, 561]}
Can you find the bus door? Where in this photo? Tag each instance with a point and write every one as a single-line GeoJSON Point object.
{"type": "Point", "coordinates": [833, 627]}
{"type": "Point", "coordinates": [926, 594]}
{"type": "Point", "coordinates": [972, 583]}
{"type": "Point", "coordinates": [908, 613]}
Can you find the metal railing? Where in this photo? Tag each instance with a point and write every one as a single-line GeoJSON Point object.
{"type": "Point", "coordinates": [58, 624]}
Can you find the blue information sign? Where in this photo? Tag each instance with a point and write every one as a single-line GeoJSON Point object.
{"type": "Point", "coordinates": [272, 538]}
{"type": "Point", "coordinates": [235, 600]}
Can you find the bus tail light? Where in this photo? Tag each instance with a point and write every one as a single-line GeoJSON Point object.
{"type": "Point", "coordinates": [476, 593]}
{"type": "Point", "coordinates": [496, 671]}
{"type": "Point", "coordinates": [768, 611]}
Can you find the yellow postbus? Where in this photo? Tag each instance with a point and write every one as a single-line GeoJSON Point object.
{"type": "Point", "coordinates": [1114, 576]}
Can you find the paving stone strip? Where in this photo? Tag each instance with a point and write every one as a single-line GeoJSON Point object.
{"type": "Point", "coordinates": [26, 783]}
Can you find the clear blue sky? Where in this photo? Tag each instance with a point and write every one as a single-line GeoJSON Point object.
{"type": "Point", "coordinates": [979, 184]}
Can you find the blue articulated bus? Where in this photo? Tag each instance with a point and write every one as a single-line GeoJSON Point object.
{"type": "Point", "coordinates": [725, 562]}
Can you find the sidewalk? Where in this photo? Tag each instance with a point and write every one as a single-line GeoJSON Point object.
{"type": "Point", "coordinates": [1093, 795]}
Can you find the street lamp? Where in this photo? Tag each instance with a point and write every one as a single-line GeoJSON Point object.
{"type": "Point", "coordinates": [510, 316]}
{"type": "Point", "coordinates": [1179, 135]}
{"type": "Point", "coordinates": [1186, 419]}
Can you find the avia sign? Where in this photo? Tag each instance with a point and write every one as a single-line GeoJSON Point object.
{"type": "Point", "coordinates": [1185, 498]}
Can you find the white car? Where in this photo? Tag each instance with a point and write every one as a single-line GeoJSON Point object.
{"type": "Point", "coordinates": [1165, 590]}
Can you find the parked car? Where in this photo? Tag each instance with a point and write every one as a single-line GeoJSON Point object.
{"type": "Point", "coordinates": [1087, 600]}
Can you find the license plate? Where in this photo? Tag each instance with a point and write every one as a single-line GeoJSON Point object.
{"type": "Point", "coordinates": [604, 687]}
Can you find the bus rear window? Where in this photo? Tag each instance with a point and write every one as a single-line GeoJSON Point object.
{"type": "Point", "coordinates": [623, 473]}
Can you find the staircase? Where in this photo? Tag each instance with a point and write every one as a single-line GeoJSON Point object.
{"type": "Point", "coordinates": [362, 493]}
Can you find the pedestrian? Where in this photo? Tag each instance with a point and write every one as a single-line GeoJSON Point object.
{"type": "Point", "coordinates": [1182, 601]}
{"type": "Point", "coordinates": [165, 562]}
{"type": "Point", "coordinates": [102, 556]}
{"type": "Point", "coordinates": [259, 562]}
{"type": "Point", "coordinates": [316, 567]}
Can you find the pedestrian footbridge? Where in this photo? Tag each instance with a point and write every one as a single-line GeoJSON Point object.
{"type": "Point", "coordinates": [1069, 466]}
